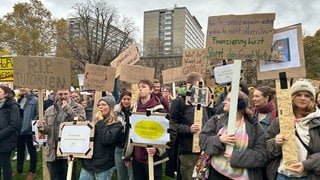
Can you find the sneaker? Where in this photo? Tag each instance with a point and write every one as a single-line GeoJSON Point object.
{"type": "Point", "coordinates": [28, 157]}
{"type": "Point", "coordinates": [15, 156]}
{"type": "Point", "coordinates": [30, 176]}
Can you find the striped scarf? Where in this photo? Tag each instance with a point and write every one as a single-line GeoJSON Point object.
{"type": "Point", "coordinates": [222, 164]}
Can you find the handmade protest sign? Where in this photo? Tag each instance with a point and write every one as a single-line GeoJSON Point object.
{"type": "Point", "coordinates": [128, 57]}
{"type": "Point", "coordinates": [42, 72]}
{"type": "Point", "coordinates": [287, 55]}
{"type": "Point", "coordinates": [239, 36]}
{"type": "Point", "coordinates": [134, 73]}
{"type": "Point", "coordinates": [98, 77]}
{"type": "Point", "coordinates": [194, 60]}
{"type": "Point", "coordinates": [149, 130]}
{"type": "Point", "coordinates": [6, 69]}
{"type": "Point", "coordinates": [173, 75]}
{"type": "Point", "coordinates": [76, 139]}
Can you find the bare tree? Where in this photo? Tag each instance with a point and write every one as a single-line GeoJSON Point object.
{"type": "Point", "coordinates": [102, 33]}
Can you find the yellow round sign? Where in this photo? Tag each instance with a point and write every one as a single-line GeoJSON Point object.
{"type": "Point", "coordinates": [149, 129]}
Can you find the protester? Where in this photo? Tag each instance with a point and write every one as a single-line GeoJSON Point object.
{"type": "Point", "coordinates": [10, 124]}
{"type": "Point", "coordinates": [317, 100]}
{"type": "Point", "coordinates": [123, 110]}
{"type": "Point", "coordinates": [148, 101]}
{"type": "Point", "coordinates": [28, 111]}
{"type": "Point", "coordinates": [183, 117]}
{"type": "Point", "coordinates": [264, 107]}
{"type": "Point", "coordinates": [108, 130]}
{"type": "Point", "coordinates": [248, 153]}
{"type": "Point", "coordinates": [157, 92]}
{"type": "Point", "coordinates": [306, 119]}
{"type": "Point", "coordinates": [64, 109]}
{"type": "Point", "coordinates": [76, 96]}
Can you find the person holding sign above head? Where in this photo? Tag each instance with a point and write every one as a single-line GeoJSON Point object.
{"type": "Point", "coordinates": [64, 109]}
{"type": "Point", "coordinates": [108, 131]}
{"type": "Point", "coordinates": [248, 142]}
{"type": "Point", "coordinates": [147, 101]}
{"type": "Point", "coordinates": [306, 119]}
{"type": "Point", "coordinates": [183, 116]}
{"type": "Point", "coordinates": [10, 125]}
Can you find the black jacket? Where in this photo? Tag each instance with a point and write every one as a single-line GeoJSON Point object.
{"type": "Point", "coordinates": [10, 125]}
{"type": "Point", "coordinates": [105, 139]}
{"type": "Point", "coordinates": [183, 117]}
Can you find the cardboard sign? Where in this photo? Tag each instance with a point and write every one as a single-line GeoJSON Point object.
{"type": "Point", "coordinates": [239, 36]}
{"type": "Point", "coordinates": [76, 139]}
{"type": "Point", "coordinates": [6, 69]}
{"type": "Point", "coordinates": [149, 130]}
{"type": "Point", "coordinates": [42, 72]}
{"type": "Point", "coordinates": [173, 75]}
{"type": "Point", "coordinates": [288, 55]}
{"type": "Point", "coordinates": [98, 77]}
{"type": "Point", "coordinates": [194, 60]}
{"type": "Point", "coordinates": [133, 74]}
{"type": "Point", "coordinates": [129, 56]}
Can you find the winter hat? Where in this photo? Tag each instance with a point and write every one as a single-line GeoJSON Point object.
{"type": "Point", "coordinates": [109, 100]}
{"type": "Point", "coordinates": [303, 85]}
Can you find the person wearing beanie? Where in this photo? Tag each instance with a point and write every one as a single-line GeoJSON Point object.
{"type": "Point", "coordinates": [123, 110]}
{"type": "Point", "coordinates": [107, 133]}
{"type": "Point", "coordinates": [306, 119]}
{"type": "Point", "coordinates": [248, 154]}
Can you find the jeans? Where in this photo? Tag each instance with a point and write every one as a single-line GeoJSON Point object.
{"type": "Point", "coordinates": [283, 177]}
{"type": "Point", "coordinates": [104, 175]}
{"type": "Point", "coordinates": [5, 164]}
{"type": "Point", "coordinates": [24, 140]}
{"type": "Point", "coordinates": [123, 172]}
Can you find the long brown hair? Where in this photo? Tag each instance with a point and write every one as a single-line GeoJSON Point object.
{"type": "Point", "coordinates": [310, 108]}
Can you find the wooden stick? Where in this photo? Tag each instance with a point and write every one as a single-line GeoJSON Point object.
{"type": "Point", "coordinates": [150, 167]}
{"type": "Point", "coordinates": [70, 167]}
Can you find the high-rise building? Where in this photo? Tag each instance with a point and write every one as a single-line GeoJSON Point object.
{"type": "Point", "coordinates": [169, 31]}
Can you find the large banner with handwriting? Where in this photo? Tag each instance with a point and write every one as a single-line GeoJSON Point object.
{"type": "Point", "coordinates": [240, 36]}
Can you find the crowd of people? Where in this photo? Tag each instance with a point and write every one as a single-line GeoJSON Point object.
{"type": "Point", "coordinates": [256, 142]}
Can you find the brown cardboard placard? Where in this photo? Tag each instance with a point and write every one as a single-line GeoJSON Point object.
{"type": "Point", "coordinates": [130, 56]}
{"type": "Point", "coordinates": [194, 60]}
{"type": "Point", "coordinates": [98, 77]}
{"type": "Point", "coordinates": [173, 75]}
{"type": "Point", "coordinates": [239, 36]}
{"type": "Point", "coordinates": [294, 66]}
{"type": "Point", "coordinates": [42, 72]}
{"type": "Point", "coordinates": [133, 73]}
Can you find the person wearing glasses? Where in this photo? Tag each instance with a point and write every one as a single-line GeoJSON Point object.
{"type": "Point", "coordinates": [64, 109]}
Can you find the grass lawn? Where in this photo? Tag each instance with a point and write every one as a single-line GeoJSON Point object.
{"type": "Point", "coordinates": [40, 167]}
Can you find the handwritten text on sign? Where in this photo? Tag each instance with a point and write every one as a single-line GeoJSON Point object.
{"type": "Point", "coordinates": [6, 69]}
{"type": "Point", "coordinates": [42, 72]}
{"type": "Point", "coordinates": [240, 36]}
{"type": "Point", "coordinates": [194, 60]}
{"type": "Point", "coordinates": [99, 77]}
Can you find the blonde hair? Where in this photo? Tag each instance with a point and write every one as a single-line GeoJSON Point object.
{"type": "Point", "coordinates": [310, 108]}
{"type": "Point", "coordinates": [110, 118]}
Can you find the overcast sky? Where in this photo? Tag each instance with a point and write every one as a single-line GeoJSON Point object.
{"type": "Point", "coordinates": [288, 12]}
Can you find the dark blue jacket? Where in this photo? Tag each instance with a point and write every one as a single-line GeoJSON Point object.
{"type": "Point", "coordinates": [29, 113]}
{"type": "Point", "coordinates": [10, 125]}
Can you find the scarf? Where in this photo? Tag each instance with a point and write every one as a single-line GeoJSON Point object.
{"type": "Point", "coordinates": [2, 102]}
{"type": "Point", "coordinates": [269, 107]}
